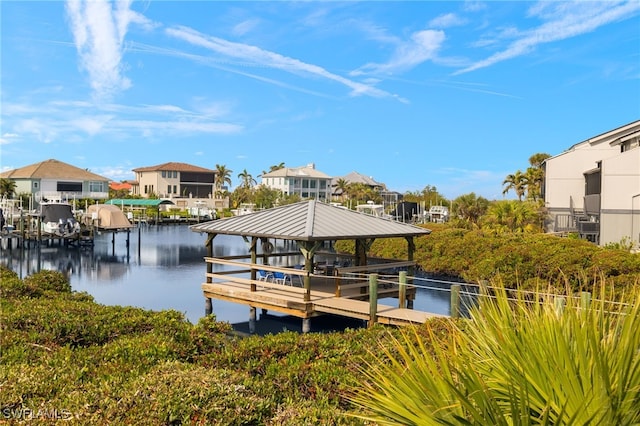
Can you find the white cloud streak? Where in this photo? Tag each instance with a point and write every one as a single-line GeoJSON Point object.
{"type": "Point", "coordinates": [446, 21]}
{"type": "Point", "coordinates": [421, 47]}
{"type": "Point", "coordinates": [74, 121]}
{"type": "Point", "coordinates": [562, 20]}
{"type": "Point", "coordinates": [98, 32]}
{"type": "Point", "coordinates": [256, 56]}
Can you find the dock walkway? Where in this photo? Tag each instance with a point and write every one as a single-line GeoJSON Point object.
{"type": "Point", "coordinates": [327, 295]}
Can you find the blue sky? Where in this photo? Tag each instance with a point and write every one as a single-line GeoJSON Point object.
{"type": "Point", "coordinates": [451, 94]}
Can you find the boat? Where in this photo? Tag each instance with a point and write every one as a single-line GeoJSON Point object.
{"type": "Point", "coordinates": [439, 214]}
{"type": "Point", "coordinates": [244, 208]}
{"type": "Point", "coordinates": [107, 217]}
{"type": "Point", "coordinates": [373, 209]}
{"type": "Point", "coordinates": [58, 219]}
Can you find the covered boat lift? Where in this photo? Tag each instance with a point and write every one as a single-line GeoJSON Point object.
{"type": "Point", "coordinates": [313, 226]}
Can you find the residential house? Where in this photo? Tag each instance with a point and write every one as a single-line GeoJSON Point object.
{"type": "Point", "coordinates": [306, 181]}
{"type": "Point", "coordinates": [178, 180]}
{"type": "Point", "coordinates": [593, 188]}
{"type": "Point", "coordinates": [389, 198]}
{"type": "Point", "coordinates": [53, 180]}
{"type": "Point", "coordinates": [121, 188]}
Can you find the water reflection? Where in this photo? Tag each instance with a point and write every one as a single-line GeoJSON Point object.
{"type": "Point", "coordinates": [161, 268]}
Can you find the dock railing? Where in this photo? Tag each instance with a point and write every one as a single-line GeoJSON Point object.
{"type": "Point", "coordinates": [457, 298]}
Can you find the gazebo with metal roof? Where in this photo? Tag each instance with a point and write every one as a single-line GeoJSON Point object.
{"type": "Point", "coordinates": [310, 224]}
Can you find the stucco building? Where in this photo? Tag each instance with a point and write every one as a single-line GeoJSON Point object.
{"type": "Point", "coordinates": [593, 188]}
{"type": "Point", "coordinates": [306, 181]}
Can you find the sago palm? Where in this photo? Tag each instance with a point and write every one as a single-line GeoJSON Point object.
{"type": "Point", "coordinates": [514, 362]}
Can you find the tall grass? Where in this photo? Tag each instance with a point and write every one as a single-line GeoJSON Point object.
{"type": "Point", "coordinates": [514, 362]}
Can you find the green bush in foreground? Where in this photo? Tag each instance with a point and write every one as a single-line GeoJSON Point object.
{"type": "Point", "coordinates": [64, 355]}
{"type": "Point", "coordinates": [516, 363]}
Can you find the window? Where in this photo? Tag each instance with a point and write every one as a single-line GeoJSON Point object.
{"type": "Point", "coordinates": [175, 174]}
{"type": "Point", "coordinates": [305, 183]}
{"type": "Point", "coordinates": [175, 189]}
{"type": "Point", "coordinates": [35, 184]}
{"type": "Point", "coordinates": [168, 189]}
{"type": "Point", "coordinates": [96, 187]}
{"type": "Point", "coordinates": [69, 187]}
{"type": "Point", "coordinates": [164, 174]}
{"type": "Point", "coordinates": [313, 183]}
{"type": "Point", "coordinates": [323, 184]}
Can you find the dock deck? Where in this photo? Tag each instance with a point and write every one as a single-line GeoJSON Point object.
{"type": "Point", "coordinates": [327, 295]}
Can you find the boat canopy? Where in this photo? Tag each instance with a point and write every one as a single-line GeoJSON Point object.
{"type": "Point", "coordinates": [55, 212]}
{"type": "Point", "coordinates": [138, 202]}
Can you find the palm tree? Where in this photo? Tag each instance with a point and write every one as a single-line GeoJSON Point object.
{"type": "Point", "coordinates": [7, 188]}
{"type": "Point", "coordinates": [512, 216]}
{"type": "Point", "coordinates": [342, 185]}
{"type": "Point", "coordinates": [247, 180]}
{"type": "Point", "coordinates": [535, 176]}
{"type": "Point", "coordinates": [517, 182]}
{"type": "Point", "coordinates": [272, 169]}
{"type": "Point", "coordinates": [470, 207]}
{"type": "Point", "coordinates": [223, 175]}
{"type": "Point", "coordinates": [513, 362]}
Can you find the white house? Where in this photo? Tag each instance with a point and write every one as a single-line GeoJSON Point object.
{"type": "Point", "coordinates": [53, 180]}
{"type": "Point", "coordinates": [593, 188]}
{"type": "Point", "coordinates": [305, 181]}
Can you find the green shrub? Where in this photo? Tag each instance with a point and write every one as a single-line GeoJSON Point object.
{"type": "Point", "coordinates": [514, 362]}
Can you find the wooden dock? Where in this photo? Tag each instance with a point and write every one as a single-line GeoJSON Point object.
{"type": "Point", "coordinates": [336, 295]}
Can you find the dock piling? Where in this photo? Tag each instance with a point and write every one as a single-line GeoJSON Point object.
{"type": "Point", "coordinates": [373, 299]}
{"type": "Point", "coordinates": [455, 301]}
{"type": "Point", "coordinates": [402, 289]}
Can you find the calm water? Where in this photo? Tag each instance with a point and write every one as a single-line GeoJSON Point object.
{"type": "Point", "coordinates": [163, 271]}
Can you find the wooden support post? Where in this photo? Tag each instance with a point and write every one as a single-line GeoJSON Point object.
{"type": "Point", "coordinates": [455, 301]}
{"type": "Point", "coordinates": [208, 306]}
{"type": "Point", "coordinates": [252, 319]}
{"type": "Point", "coordinates": [402, 290]}
{"type": "Point", "coordinates": [373, 299]}
{"type": "Point", "coordinates": [254, 259]}
{"type": "Point", "coordinates": [585, 300]}
{"type": "Point", "coordinates": [306, 325]}
{"type": "Point", "coordinates": [559, 303]}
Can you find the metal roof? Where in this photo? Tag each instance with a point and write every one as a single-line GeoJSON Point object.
{"type": "Point", "coordinates": [310, 221]}
{"type": "Point", "coordinates": [138, 202]}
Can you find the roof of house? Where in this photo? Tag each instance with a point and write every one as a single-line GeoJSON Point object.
{"type": "Point", "coordinates": [174, 166]}
{"type": "Point", "coordinates": [52, 169]}
{"type": "Point", "coordinates": [355, 177]}
{"type": "Point", "coordinates": [310, 221]}
{"type": "Point", "coordinates": [305, 171]}
{"type": "Point", "coordinates": [611, 136]}
{"type": "Point", "coordinates": [117, 186]}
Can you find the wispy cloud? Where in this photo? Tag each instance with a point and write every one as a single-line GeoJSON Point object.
{"type": "Point", "coordinates": [256, 56]}
{"type": "Point", "coordinates": [421, 47]}
{"type": "Point", "coordinates": [244, 27]}
{"type": "Point", "coordinates": [99, 30]}
{"type": "Point", "coordinates": [562, 20]}
{"type": "Point", "coordinates": [76, 121]}
{"type": "Point", "coordinates": [447, 20]}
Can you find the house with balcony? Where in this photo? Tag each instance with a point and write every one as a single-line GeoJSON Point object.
{"type": "Point", "coordinates": [55, 181]}
{"type": "Point", "coordinates": [184, 184]}
{"type": "Point", "coordinates": [306, 181]}
{"type": "Point", "coordinates": [593, 188]}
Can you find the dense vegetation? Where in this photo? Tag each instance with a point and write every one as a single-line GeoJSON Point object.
{"type": "Point", "coordinates": [521, 260]}
{"type": "Point", "coordinates": [65, 356]}
{"type": "Point", "coordinates": [563, 361]}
